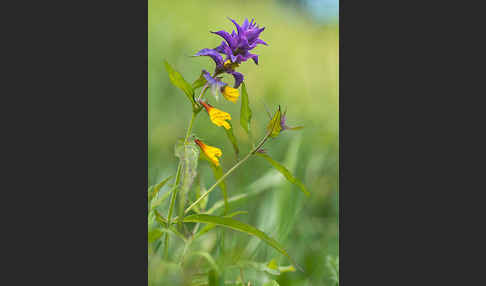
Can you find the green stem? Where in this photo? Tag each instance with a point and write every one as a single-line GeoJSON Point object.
{"type": "Point", "coordinates": [221, 179]}
{"type": "Point", "coordinates": [177, 181]}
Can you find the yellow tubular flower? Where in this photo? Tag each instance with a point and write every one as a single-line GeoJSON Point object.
{"type": "Point", "coordinates": [218, 117]}
{"type": "Point", "coordinates": [211, 152]}
{"type": "Point", "coordinates": [230, 93]}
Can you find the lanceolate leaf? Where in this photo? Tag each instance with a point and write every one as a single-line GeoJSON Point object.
{"type": "Point", "coordinates": [245, 113]}
{"type": "Point", "coordinates": [285, 172]}
{"type": "Point", "coordinates": [209, 226]}
{"type": "Point", "coordinates": [242, 227]}
{"type": "Point", "coordinates": [231, 137]}
{"type": "Point", "coordinates": [179, 81]}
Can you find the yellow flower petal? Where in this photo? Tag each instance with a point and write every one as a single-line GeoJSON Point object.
{"type": "Point", "coordinates": [219, 117]}
{"type": "Point", "coordinates": [230, 93]}
{"type": "Point", "coordinates": [211, 152]}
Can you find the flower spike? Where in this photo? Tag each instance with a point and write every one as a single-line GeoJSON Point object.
{"type": "Point", "coordinates": [236, 47]}
{"type": "Point", "coordinates": [218, 117]}
{"type": "Point", "coordinates": [211, 152]}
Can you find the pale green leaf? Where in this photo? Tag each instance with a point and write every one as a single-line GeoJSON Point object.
{"type": "Point", "coordinates": [242, 227]}
{"type": "Point", "coordinates": [271, 283]}
{"type": "Point", "coordinates": [245, 113]}
{"type": "Point", "coordinates": [286, 173]}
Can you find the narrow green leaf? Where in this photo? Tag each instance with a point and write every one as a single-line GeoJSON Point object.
{"type": "Point", "coordinates": [199, 82]}
{"type": "Point", "coordinates": [274, 126]}
{"type": "Point", "coordinates": [179, 81]}
{"type": "Point", "coordinates": [242, 227]}
{"type": "Point", "coordinates": [210, 226]}
{"type": "Point", "coordinates": [285, 172]}
{"type": "Point", "coordinates": [245, 113]}
{"type": "Point", "coordinates": [232, 138]}
{"type": "Point", "coordinates": [154, 190]}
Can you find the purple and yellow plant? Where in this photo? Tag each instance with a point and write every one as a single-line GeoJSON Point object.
{"type": "Point", "coordinates": [228, 56]}
{"type": "Point", "coordinates": [236, 48]}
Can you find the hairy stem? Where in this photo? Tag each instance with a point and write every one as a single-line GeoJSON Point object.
{"type": "Point", "coordinates": [177, 181]}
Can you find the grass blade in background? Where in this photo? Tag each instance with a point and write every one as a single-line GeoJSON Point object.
{"type": "Point", "coordinates": [245, 113]}
{"type": "Point", "coordinates": [285, 172]}
{"type": "Point", "coordinates": [242, 227]}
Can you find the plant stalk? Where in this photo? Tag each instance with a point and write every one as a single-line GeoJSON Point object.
{"type": "Point", "coordinates": [177, 181]}
{"type": "Point", "coordinates": [253, 151]}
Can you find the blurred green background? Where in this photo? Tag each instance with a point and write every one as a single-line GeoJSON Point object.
{"type": "Point", "coordinates": [299, 71]}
